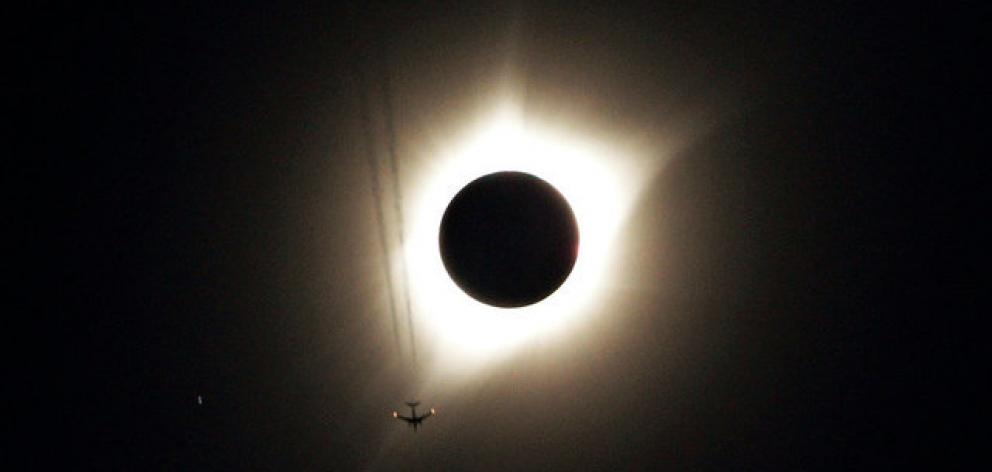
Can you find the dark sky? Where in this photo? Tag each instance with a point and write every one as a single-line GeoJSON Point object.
{"type": "Point", "coordinates": [795, 285]}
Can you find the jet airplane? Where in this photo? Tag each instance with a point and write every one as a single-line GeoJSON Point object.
{"type": "Point", "coordinates": [413, 419]}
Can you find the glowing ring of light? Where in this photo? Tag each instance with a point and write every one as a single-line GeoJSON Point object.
{"type": "Point", "coordinates": [596, 185]}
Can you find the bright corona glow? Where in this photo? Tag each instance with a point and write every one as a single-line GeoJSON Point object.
{"type": "Point", "coordinates": [600, 187]}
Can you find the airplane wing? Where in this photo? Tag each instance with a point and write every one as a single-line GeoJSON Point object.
{"type": "Point", "coordinates": [401, 417]}
{"type": "Point", "coordinates": [426, 415]}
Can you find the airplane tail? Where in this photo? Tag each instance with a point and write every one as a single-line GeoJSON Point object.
{"type": "Point", "coordinates": [412, 404]}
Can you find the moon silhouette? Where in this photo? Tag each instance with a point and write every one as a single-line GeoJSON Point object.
{"type": "Point", "coordinates": [509, 239]}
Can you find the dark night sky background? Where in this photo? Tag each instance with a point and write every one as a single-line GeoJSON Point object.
{"type": "Point", "coordinates": [794, 296]}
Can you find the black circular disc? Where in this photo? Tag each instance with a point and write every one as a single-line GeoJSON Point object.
{"type": "Point", "coordinates": [509, 239]}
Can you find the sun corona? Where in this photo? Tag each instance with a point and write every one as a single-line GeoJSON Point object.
{"type": "Point", "coordinates": [600, 190]}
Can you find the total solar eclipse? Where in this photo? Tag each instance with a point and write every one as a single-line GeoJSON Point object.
{"type": "Point", "coordinates": [509, 239]}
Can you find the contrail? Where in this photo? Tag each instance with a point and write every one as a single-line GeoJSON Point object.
{"type": "Point", "coordinates": [380, 218]}
{"type": "Point", "coordinates": [387, 105]}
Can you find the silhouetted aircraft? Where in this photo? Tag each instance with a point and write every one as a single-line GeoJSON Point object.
{"type": "Point", "coordinates": [413, 419]}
